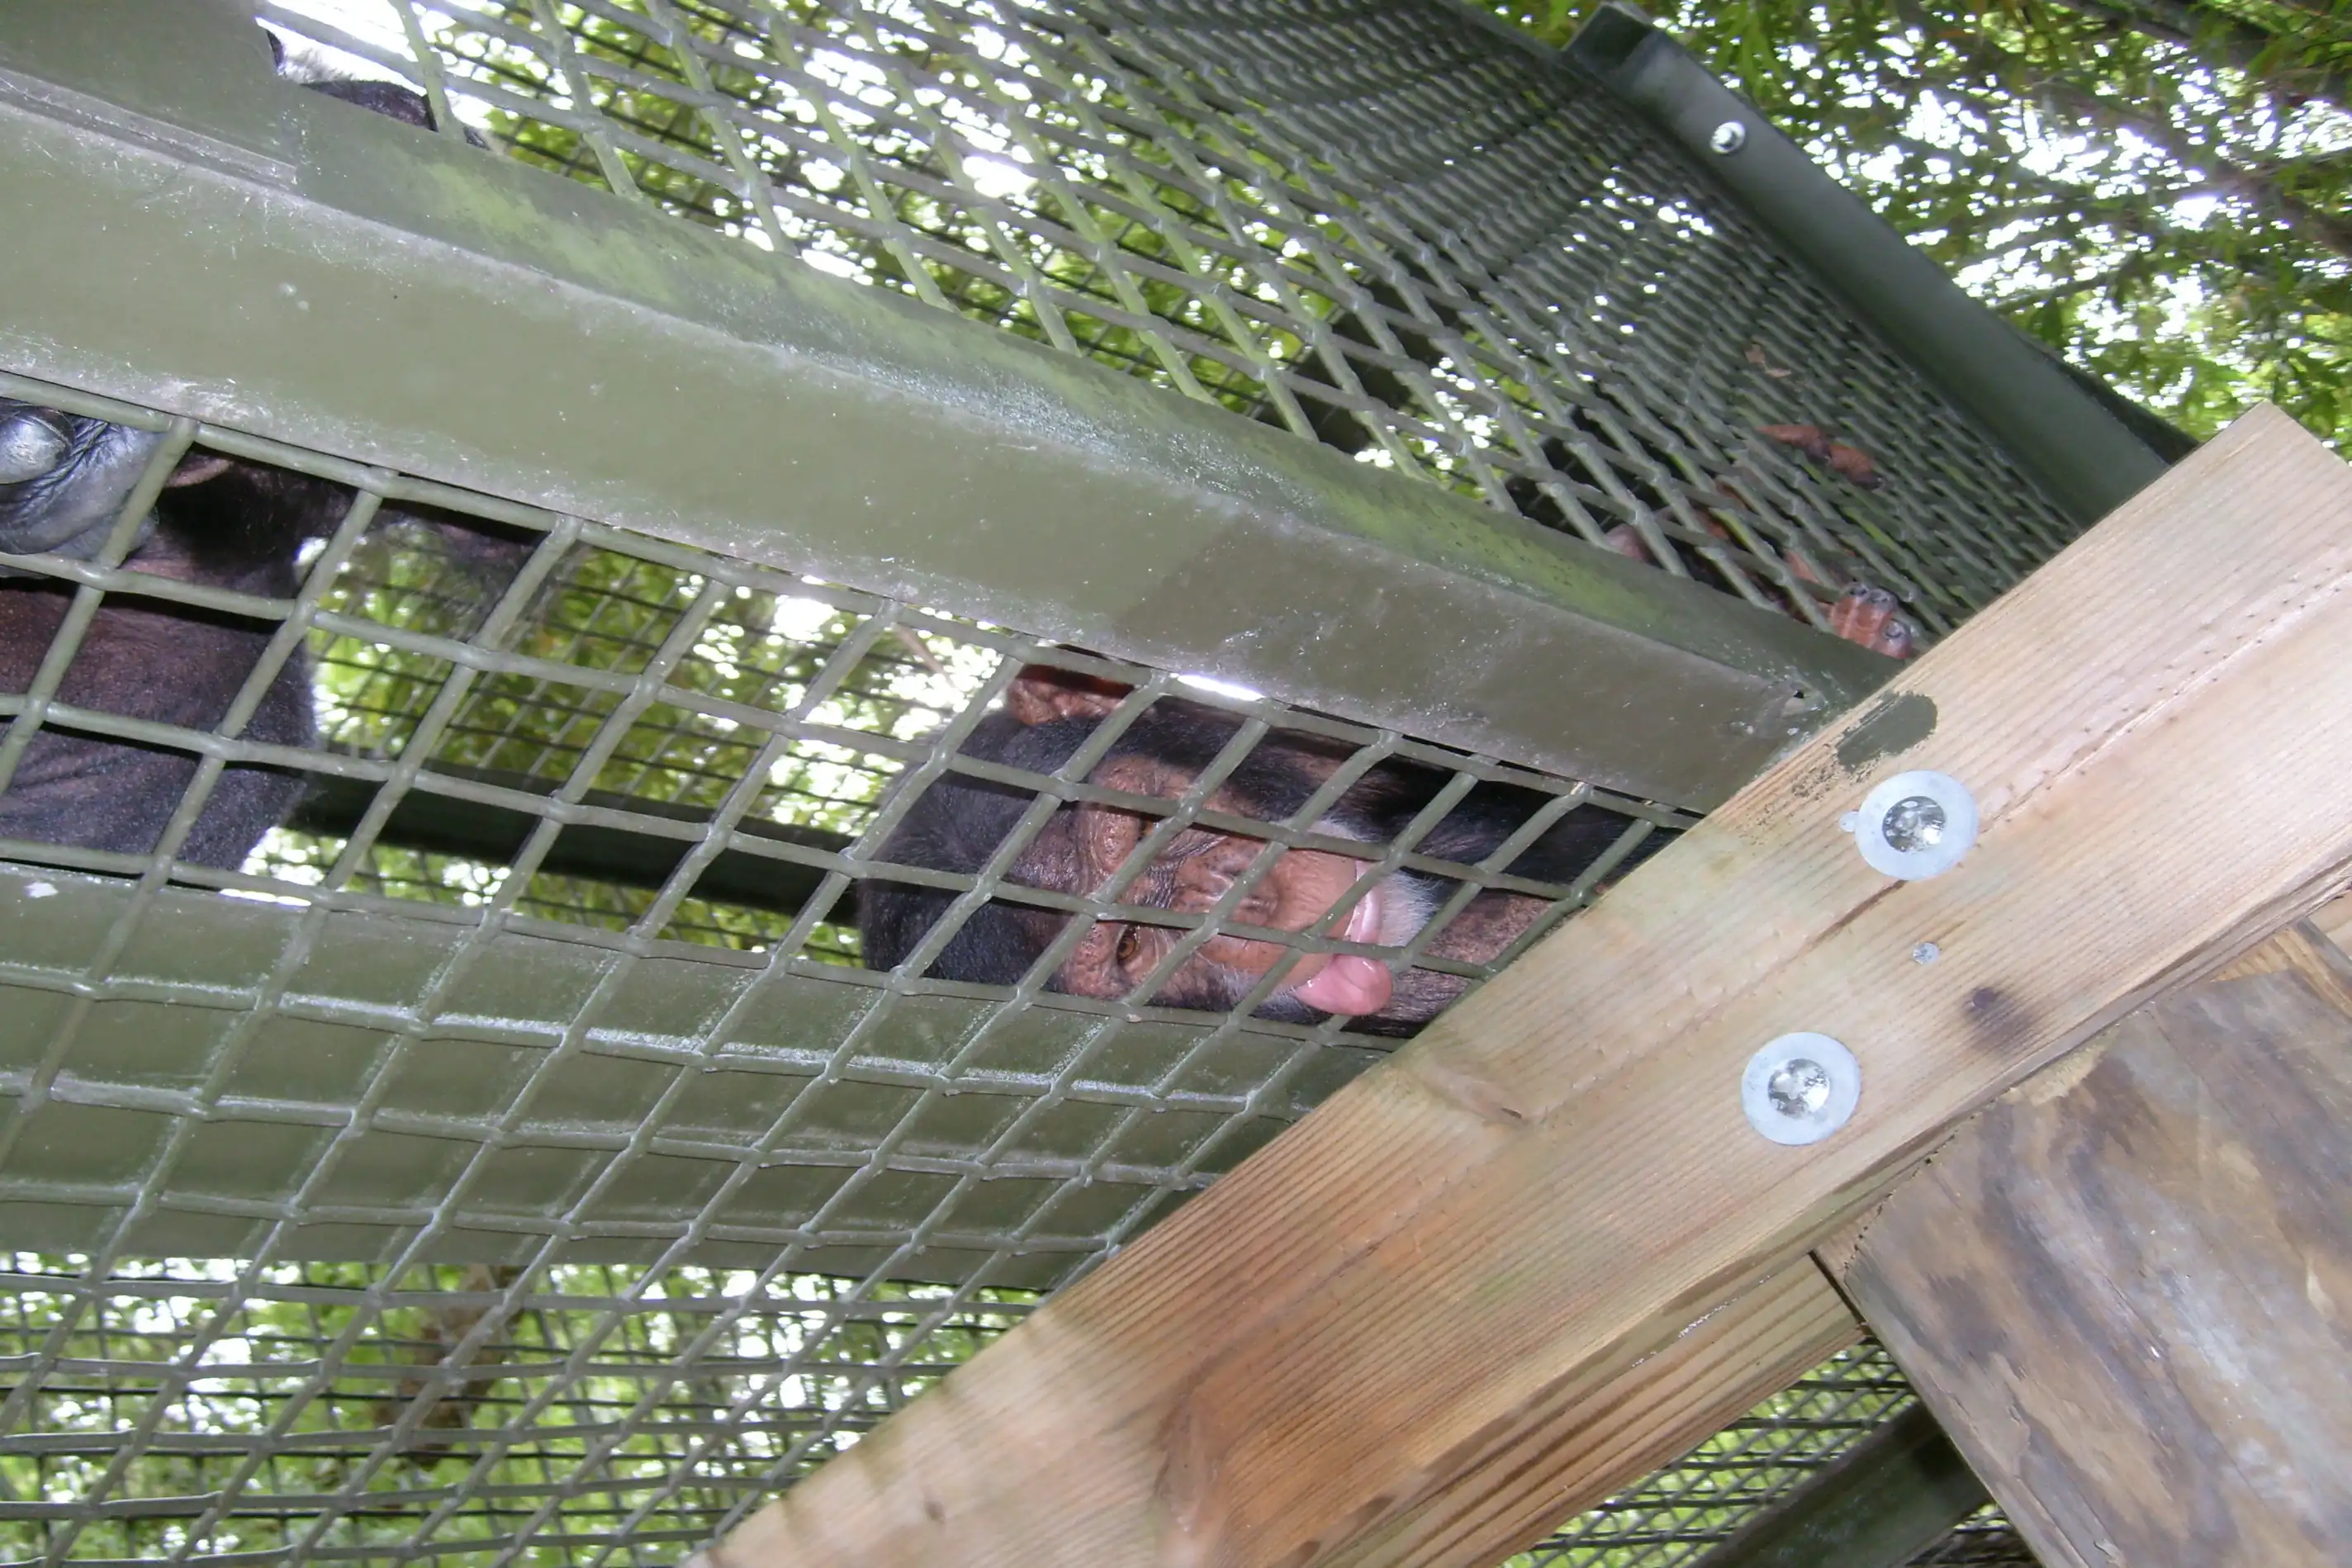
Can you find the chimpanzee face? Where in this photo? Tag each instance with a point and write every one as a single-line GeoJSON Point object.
{"type": "Point", "coordinates": [960, 821]}
{"type": "Point", "coordinates": [1085, 846]}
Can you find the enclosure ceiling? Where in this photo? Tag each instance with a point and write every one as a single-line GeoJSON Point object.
{"type": "Point", "coordinates": [1332, 336]}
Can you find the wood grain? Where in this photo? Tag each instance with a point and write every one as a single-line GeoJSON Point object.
{"type": "Point", "coordinates": [2334, 920]}
{"type": "Point", "coordinates": [1556, 1179]}
{"type": "Point", "coordinates": [1572, 1450]}
{"type": "Point", "coordinates": [2131, 1302]}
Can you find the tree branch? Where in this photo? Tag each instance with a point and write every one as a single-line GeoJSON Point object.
{"type": "Point", "coordinates": [2023, 80]}
{"type": "Point", "coordinates": [2258, 186]}
{"type": "Point", "coordinates": [2015, 304]}
{"type": "Point", "coordinates": [2232, 40]}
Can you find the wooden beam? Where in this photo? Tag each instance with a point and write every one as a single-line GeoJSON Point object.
{"type": "Point", "coordinates": [1552, 1182]}
{"type": "Point", "coordinates": [1572, 1450]}
{"type": "Point", "coordinates": [2126, 1289]}
{"type": "Point", "coordinates": [2334, 920]}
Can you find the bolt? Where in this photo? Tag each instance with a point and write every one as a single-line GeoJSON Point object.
{"type": "Point", "coordinates": [1728, 138]}
{"type": "Point", "coordinates": [1799, 1088]}
{"type": "Point", "coordinates": [1915, 822]}
{"type": "Point", "coordinates": [1914, 825]}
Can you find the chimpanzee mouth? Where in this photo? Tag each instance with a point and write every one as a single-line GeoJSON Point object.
{"type": "Point", "coordinates": [1350, 984]}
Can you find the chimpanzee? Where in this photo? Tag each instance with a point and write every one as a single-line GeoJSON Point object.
{"type": "Point", "coordinates": [1864, 613]}
{"type": "Point", "coordinates": [961, 820]}
{"type": "Point", "coordinates": [219, 522]}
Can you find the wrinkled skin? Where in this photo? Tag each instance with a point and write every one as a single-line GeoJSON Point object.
{"type": "Point", "coordinates": [64, 480]}
{"type": "Point", "coordinates": [959, 822]}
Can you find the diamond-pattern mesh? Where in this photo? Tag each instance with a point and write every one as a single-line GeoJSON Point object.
{"type": "Point", "coordinates": [1369, 222]}
{"type": "Point", "coordinates": [580, 1191]}
{"type": "Point", "coordinates": [1685, 1510]}
{"type": "Point", "coordinates": [509, 1108]}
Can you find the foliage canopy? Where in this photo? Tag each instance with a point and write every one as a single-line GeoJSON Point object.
{"type": "Point", "coordinates": [2156, 188]}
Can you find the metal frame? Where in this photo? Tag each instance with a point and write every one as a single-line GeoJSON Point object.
{"type": "Point", "coordinates": [247, 279]}
{"type": "Point", "coordinates": [222, 248]}
{"type": "Point", "coordinates": [2085, 454]}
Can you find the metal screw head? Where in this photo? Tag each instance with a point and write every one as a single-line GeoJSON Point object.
{"type": "Point", "coordinates": [1914, 825]}
{"type": "Point", "coordinates": [1800, 1088]}
{"type": "Point", "coordinates": [1926, 952]}
{"type": "Point", "coordinates": [1914, 822]}
{"type": "Point", "coordinates": [1727, 138]}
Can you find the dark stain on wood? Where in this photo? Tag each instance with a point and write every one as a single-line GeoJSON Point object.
{"type": "Point", "coordinates": [2131, 1303]}
{"type": "Point", "coordinates": [1998, 1022]}
{"type": "Point", "coordinates": [1894, 724]}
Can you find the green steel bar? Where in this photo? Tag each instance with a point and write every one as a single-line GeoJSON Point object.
{"type": "Point", "coordinates": [2088, 457]}
{"type": "Point", "coordinates": [215, 242]}
{"type": "Point", "coordinates": [495, 835]}
{"type": "Point", "coordinates": [1893, 1494]}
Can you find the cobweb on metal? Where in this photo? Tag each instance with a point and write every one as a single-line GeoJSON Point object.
{"type": "Point", "coordinates": [1371, 222]}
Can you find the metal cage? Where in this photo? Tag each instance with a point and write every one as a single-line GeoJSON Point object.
{"type": "Point", "coordinates": [509, 1160]}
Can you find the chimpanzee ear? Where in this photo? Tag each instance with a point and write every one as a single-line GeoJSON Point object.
{"type": "Point", "coordinates": [1041, 693]}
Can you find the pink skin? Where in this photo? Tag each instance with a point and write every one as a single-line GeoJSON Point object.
{"type": "Point", "coordinates": [1083, 849]}
{"type": "Point", "coordinates": [1345, 983]}
{"type": "Point", "coordinates": [1194, 873]}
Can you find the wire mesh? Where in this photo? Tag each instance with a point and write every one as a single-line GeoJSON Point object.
{"type": "Point", "coordinates": [1367, 222]}
{"type": "Point", "coordinates": [1983, 1539]}
{"type": "Point", "coordinates": [545, 1091]}
{"type": "Point", "coordinates": [582, 1192]}
{"type": "Point", "coordinates": [1685, 1510]}
{"type": "Point", "coordinates": [210, 1412]}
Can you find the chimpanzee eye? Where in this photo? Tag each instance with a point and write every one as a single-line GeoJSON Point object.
{"type": "Point", "coordinates": [1131, 948]}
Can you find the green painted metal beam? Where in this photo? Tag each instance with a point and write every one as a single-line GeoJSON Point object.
{"type": "Point", "coordinates": [1896, 1492]}
{"type": "Point", "coordinates": [2087, 456]}
{"type": "Point", "coordinates": [216, 242]}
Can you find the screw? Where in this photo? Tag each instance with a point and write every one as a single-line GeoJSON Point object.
{"type": "Point", "coordinates": [1728, 138]}
{"type": "Point", "coordinates": [1926, 952]}
{"type": "Point", "coordinates": [1799, 1088]}
{"type": "Point", "coordinates": [1913, 825]}
{"type": "Point", "coordinates": [1914, 822]}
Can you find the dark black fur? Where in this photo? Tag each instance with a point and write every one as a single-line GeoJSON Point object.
{"type": "Point", "coordinates": [68, 479]}
{"type": "Point", "coordinates": [959, 822]}
{"type": "Point", "coordinates": [152, 660]}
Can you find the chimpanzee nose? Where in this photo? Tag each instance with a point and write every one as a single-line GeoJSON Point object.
{"type": "Point", "coordinates": [32, 442]}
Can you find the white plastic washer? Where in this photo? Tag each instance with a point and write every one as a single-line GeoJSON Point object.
{"type": "Point", "coordinates": [1836, 1063]}
{"type": "Point", "coordinates": [1954, 838]}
